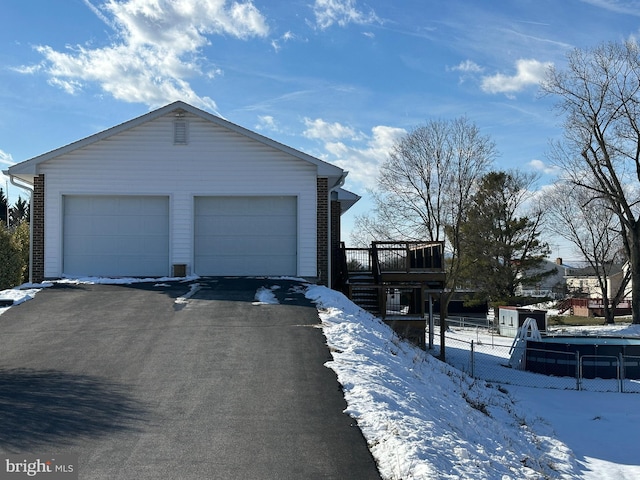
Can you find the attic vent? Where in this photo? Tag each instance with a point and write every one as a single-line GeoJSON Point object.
{"type": "Point", "coordinates": [180, 131]}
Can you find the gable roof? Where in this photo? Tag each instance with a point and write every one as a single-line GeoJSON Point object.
{"type": "Point", "coordinates": [27, 169]}
{"type": "Point", "coordinates": [611, 270]}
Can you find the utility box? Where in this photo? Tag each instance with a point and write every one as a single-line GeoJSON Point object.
{"type": "Point", "coordinates": [510, 319]}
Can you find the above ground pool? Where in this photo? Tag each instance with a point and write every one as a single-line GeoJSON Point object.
{"type": "Point", "coordinates": [599, 357]}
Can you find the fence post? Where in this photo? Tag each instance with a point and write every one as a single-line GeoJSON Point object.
{"type": "Point", "coordinates": [578, 372]}
{"type": "Point", "coordinates": [473, 361]}
{"type": "Point", "coordinates": [621, 372]}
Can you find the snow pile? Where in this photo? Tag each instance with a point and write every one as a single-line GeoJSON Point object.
{"type": "Point", "coordinates": [266, 296]}
{"type": "Point", "coordinates": [123, 280]}
{"type": "Point", "coordinates": [21, 294]}
{"type": "Point", "coordinates": [424, 419]}
{"type": "Point", "coordinates": [193, 288]}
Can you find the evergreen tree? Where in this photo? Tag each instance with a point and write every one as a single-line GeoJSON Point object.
{"type": "Point", "coordinates": [3, 207]}
{"type": "Point", "coordinates": [12, 266]}
{"type": "Point", "coordinates": [499, 246]}
{"type": "Point", "coordinates": [19, 213]}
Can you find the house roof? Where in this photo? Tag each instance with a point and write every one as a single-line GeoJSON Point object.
{"type": "Point", "coordinates": [27, 169]}
{"type": "Point", "coordinates": [347, 199]}
{"type": "Point", "coordinates": [611, 269]}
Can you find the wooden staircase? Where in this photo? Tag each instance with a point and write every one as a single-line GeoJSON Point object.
{"type": "Point", "coordinates": [364, 292]}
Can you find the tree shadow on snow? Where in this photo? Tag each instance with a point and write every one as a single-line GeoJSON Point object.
{"type": "Point", "coordinates": [43, 407]}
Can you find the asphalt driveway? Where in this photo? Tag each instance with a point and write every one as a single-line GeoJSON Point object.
{"type": "Point", "coordinates": [140, 386]}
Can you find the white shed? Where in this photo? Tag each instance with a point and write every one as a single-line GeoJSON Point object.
{"type": "Point", "coordinates": [180, 191]}
{"type": "Point", "coordinates": [510, 319]}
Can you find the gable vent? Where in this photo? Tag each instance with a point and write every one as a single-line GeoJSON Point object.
{"type": "Point", "coordinates": [180, 131]}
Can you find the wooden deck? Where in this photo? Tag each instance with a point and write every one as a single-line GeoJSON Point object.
{"type": "Point", "coordinates": [396, 281]}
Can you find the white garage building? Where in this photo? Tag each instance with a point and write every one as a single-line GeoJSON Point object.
{"type": "Point", "coordinates": [180, 191]}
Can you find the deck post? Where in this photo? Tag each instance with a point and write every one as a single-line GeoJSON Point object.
{"type": "Point", "coordinates": [431, 322]}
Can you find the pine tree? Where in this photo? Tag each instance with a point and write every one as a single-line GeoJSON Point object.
{"type": "Point", "coordinates": [500, 245]}
{"type": "Point", "coordinates": [3, 207]}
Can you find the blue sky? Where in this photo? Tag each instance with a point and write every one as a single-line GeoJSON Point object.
{"type": "Point", "coordinates": [339, 79]}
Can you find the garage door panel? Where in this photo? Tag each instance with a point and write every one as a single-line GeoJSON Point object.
{"type": "Point", "coordinates": [245, 265]}
{"type": "Point", "coordinates": [246, 235]}
{"type": "Point", "coordinates": [246, 246]}
{"type": "Point", "coordinates": [116, 236]}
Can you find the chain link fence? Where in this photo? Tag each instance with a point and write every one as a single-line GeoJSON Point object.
{"type": "Point", "coordinates": [478, 351]}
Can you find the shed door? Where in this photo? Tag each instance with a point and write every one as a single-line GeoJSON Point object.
{"type": "Point", "coordinates": [116, 236]}
{"type": "Point", "coordinates": [246, 236]}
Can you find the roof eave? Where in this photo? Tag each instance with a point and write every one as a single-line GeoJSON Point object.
{"type": "Point", "coordinates": [347, 199]}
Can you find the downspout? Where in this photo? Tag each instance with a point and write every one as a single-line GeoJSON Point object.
{"type": "Point", "coordinates": [338, 185]}
{"type": "Point", "coordinates": [25, 186]}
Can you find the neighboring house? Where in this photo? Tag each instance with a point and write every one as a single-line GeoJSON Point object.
{"type": "Point", "coordinates": [181, 191]}
{"type": "Point", "coordinates": [552, 285]}
{"type": "Point", "coordinates": [583, 282]}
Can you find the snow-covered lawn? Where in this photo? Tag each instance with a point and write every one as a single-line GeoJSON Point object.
{"type": "Point", "coordinates": [424, 419]}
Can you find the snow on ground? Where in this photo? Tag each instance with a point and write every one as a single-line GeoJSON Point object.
{"type": "Point", "coordinates": [424, 419]}
{"type": "Point", "coordinates": [266, 296]}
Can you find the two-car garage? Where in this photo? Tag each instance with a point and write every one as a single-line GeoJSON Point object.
{"type": "Point", "coordinates": [180, 191]}
{"type": "Point", "coordinates": [129, 235]}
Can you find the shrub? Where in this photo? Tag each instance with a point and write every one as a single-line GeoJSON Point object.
{"type": "Point", "coordinates": [21, 236]}
{"type": "Point", "coordinates": [14, 255]}
{"type": "Point", "coordinates": [12, 265]}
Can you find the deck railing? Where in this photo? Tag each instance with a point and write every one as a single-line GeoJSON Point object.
{"type": "Point", "coordinates": [409, 256]}
{"type": "Point", "coordinates": [394, 262]}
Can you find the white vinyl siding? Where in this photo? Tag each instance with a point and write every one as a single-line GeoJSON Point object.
{"type": "Point", "coordinates": [116, 236]}
{"type": "Point", "coordinates": [215, 162]}
{"type": "Point", "coordinates": [246, 236]}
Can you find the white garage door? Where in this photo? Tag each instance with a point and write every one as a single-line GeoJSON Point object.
{"type": "Point", "coordinates": [246, 236]}
{"type": "Point", "coordinates": [116, 236]}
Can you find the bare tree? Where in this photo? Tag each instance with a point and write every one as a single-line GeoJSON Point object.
{"type": "Point", "coordinates": [424, 189]}
{"type": "Point", "coordinates": [599, 94]}
{"type": "Point", "coordinates": [591, 226]}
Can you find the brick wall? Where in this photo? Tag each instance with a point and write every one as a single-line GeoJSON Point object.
{"type": "Point", "coordinates": [37, 219]}
{"type": "Point", "coordinates": [323, 233]}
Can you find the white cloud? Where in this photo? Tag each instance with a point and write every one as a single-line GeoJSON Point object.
{"type": "Point", "coordinates": [5, 159]}
{"type": "Point", "coordinates": [267, 122]}
{"type": "Point", "coordinates": [468, 67]}
{"type": "Point", "coordinates": [540, 166]}
{"type": "Point", "coordinates": [96, 11]}
{"type": "Point", "coordinates": [528, 72]}
{"type": "Point", "coordinates": [342, 12]}
{"type": "Point", "coordinates": [156, 51]}
{"type": "Point", "coordinates": [286, 37]}
{"type": "Point", "coordinates": [629, 7]}
{"type": "Point", "coordinates": [363, 161]}
{"type": "Point", "coordinates": [325, 131]}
